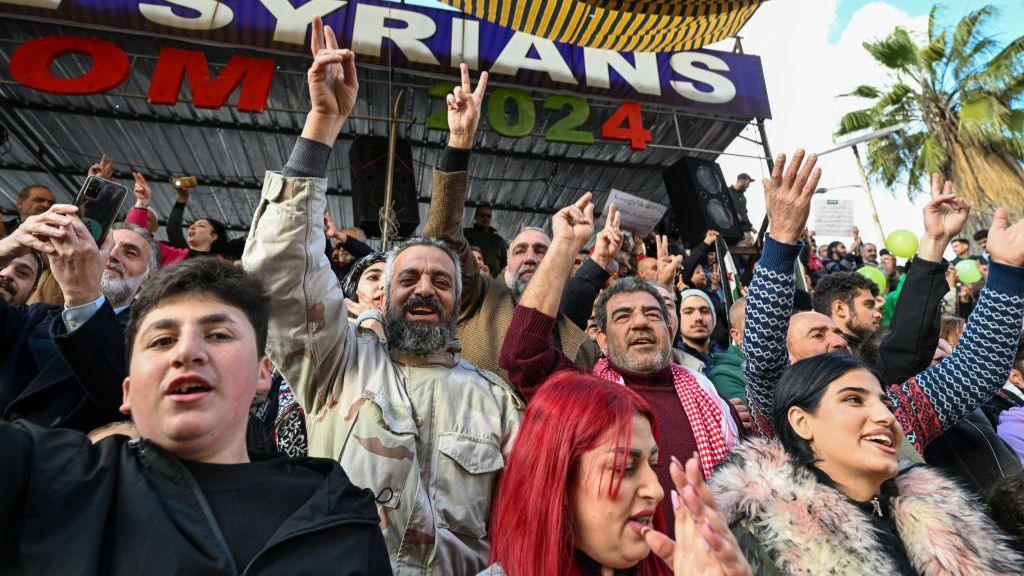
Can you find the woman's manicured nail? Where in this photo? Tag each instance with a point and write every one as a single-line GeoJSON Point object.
{"type": "Point", "coordinates": [675, 500]}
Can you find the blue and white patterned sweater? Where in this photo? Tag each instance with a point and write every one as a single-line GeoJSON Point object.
{"type": "Point", "coordinates": [927, 404]}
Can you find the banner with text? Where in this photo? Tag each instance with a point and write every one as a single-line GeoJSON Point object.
{"type": "Point", "coordinates": [436, 39]}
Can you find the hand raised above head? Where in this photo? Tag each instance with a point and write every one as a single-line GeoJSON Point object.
{"type": "Point", "coordinates": [1006, 243]}
{"type": "Point", "coordinates": [77, 263]}
{"type": "Point", "coordinates": [464, 109]}
{"type": "Point", "coordinates": [946, 213]}
{"type": "Point", "coordinates": [143, 194]}
{"type": "Point", "coordinates": [103, 169]}
{"type": "Point", "coordinates": [609, 241]}
{"type": "Point", "coordinates": [788, 195]}
{"type": "Point", "coordinates": [574, 223]}
{"type": "Point", "coordinates": [333, 86]}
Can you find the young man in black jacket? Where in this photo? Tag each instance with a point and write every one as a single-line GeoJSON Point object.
{"type": "Point", "coordinates": [187, 498]}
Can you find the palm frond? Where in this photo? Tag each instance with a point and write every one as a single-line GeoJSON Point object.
{"type": "Point", "coordinates": [933, 154]}
{"type": "Point", "coordinates": [1008, 61]}
{"type": "Point", "coordinates": [855, 122]}
{"type": "Point", "coordinates": [983, 118]}
{"type": "Point", "coordinates": [966, 28]}
{"type": "Point", "coordinates": [863, 91]}
{"type": "Point", "coordinates": [895, 96]}
{"type": "Point", "coordinates": [896, 51]}
{"type": "Point", "coordinates": [934, 51]}
{"type": "Point", "coordinates": [933, 18]}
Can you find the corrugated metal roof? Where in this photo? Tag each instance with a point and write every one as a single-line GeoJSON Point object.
{"type": "Point", "coordinates": [525, 178]}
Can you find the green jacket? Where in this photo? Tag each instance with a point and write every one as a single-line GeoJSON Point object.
{"type": "Point", "coordinates": [727, 374]}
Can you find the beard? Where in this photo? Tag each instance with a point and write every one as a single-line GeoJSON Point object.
{"type": "Point", "coordinates": [647, 364]}
{"type": "Point", "coordinates": [418, 338]}
{"type": "Point", "coordinates": [118, 288]}
{"type": "Point", "coordinates": [9, 291]}
{"type": "Point", "coordinates": [521, 280]}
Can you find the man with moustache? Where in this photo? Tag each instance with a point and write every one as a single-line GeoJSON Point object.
{"type": "Point", "coordinates": [33, 200]}
{"type": "Point", "coordinates": [633, 332]}
{"type": "Point", "coordinates": [407, 417]}
{"type": "Point", "coordinates": [99, 284]}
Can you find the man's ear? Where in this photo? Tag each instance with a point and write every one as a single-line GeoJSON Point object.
{"type": "Point", "coordinates": [838, 309]}
{"type": "Point", "coordinates": [1017, 378]}
{"type": "Point", "coordinates": [602, 341]}
{"type": "Point", "coordinates": [800, 421]}
{"type": "Point", "coordinates": [126, 405]}
{"type": "Point", "coordinates": [266, 371]}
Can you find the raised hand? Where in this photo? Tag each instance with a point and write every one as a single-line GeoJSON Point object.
{"type": "Point", "coordinates": [331, 231]}
{"type": "Point", "coordinates": [574, 223]}
{"type": "Point", "coordinates": [609, 241]}
{"type": "Point", "coordinates": [704, 543]}
{"type": "Point", "coordinates": [77, 263]}
{"type": "Point", "coordinates": [710, 237]}
{"type": "Point", "coordinates": [946, 213]}
{"type": "Point", "coordinates": [668, 265]}
{"type": "Point", "coordinates": [788, 195]}
{"type": "Point", "coordinates": [36, 231]}
{"type": "Point", "coordinates": [1006, 243]}
{"type": "Point", "coordinates": [333, 86]}
{"type": "Point", "coordinates": [464, 110]}
{"type": "Point", "coordinates": [143, 195]}
{"type": "Point", "coordinates": [104, 168]}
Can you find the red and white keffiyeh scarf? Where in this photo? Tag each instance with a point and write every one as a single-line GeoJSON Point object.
{"type": "Point", "coordinates": [709, 416]}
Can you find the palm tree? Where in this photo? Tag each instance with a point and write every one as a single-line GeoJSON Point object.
{"type": "Point", "coordinates": [959, 97]}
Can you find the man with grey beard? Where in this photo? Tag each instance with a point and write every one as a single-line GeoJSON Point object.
{"type": "Point", "coordinates": [633, 332]}
{"type": "Point", "coordinates": [407, 417]}
{"type": "Point", "coordinates": [99, 284]}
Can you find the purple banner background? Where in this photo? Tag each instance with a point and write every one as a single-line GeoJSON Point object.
{"type": "Point", "coordinates": [253, 27]}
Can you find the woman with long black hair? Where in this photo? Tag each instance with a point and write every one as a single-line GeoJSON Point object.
{"type": "Point", "coordinates": [826, 496]}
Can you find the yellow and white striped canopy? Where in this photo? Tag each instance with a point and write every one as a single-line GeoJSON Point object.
{"type": "Point", "coordinates": [623, 25]}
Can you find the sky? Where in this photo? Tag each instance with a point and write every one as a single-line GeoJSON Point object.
{"type": "Point", "coordinates": [820, 57]}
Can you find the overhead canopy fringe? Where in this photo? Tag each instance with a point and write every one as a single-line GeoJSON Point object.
{"type": "Point", "coordinates": [621, 25]}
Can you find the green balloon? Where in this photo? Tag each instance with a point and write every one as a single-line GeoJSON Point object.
{"type": "Point", "coordinates": [902, 243]}
{"type": "Point", "coordinates": [875, 275]}
{"type": "Point", "coordinates": [967, 271]}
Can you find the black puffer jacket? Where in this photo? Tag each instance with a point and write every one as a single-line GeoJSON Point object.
{"type": "Point", "coordinates": [129, 507]}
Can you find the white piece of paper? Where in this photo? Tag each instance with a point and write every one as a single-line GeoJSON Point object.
{"type": "Point", "coordinates": [833, 217]}
{"type": "Point", "coordinates": [638, 215]}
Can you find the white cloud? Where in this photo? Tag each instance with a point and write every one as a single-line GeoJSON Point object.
{"type": "Point", "coordinates": [804, 74]}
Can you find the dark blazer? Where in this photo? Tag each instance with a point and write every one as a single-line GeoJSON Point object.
{"type": "Point", "coordinates": [36, 382]}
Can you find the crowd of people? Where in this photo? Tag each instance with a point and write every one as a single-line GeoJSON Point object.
{"type": "Point", "coordinates": [575, 401]}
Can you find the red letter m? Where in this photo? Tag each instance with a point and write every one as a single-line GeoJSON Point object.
{"type": "Point", "coordinates": [254, 74]}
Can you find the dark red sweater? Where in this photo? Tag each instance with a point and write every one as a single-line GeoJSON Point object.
{"type": "Point", "coordinates": [530, 357]}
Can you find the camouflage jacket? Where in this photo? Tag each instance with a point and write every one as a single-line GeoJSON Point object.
{"type": "Point", "coordinates": [428, 435]}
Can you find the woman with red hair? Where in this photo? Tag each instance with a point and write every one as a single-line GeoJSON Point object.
{"type": "Point", "coordinates": [579, 495]}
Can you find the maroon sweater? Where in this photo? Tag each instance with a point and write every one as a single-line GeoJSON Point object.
{"type": "Point", "coordinates": [530, 357]}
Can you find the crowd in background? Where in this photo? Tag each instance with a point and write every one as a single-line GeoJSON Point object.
{"type": "Point", "coordinates": [570, 400]}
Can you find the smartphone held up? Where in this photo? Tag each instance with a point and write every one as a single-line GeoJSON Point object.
{"type": "Point", "coordinates": [99, 202]}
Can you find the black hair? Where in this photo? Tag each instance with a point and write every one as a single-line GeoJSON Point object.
{"type": "Point", "coordinates": [220, 245]}
{"type": "Point", "coordinates": [981, 234]}
{"type": "Point", "coordinates": [350, 284]}
{"type": "Point", "coordinates": [832, 249]}
{"type": "Point", "coordinates": [802, 301]}
{"type": "Point", "coordinates": [803, 385]}
{"type": "Point", "coordinates": [961, 239]}
{"type": "Point", "coordinates": [842, 286]}
{"type": "Point", "coordinates": [625, 285]}
{"type": "Point", "coordinates": [203, 276]}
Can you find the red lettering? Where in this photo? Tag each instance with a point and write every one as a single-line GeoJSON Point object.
{"type": "Point", "coordinates": [173, 65]}
{"type": "Point", "coordinates": [31, 65]}
{"type": "Point", "coordinates": [627, 124]}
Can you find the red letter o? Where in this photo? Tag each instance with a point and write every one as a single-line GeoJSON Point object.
{"type": "Point", "coordinates": [31, 62]}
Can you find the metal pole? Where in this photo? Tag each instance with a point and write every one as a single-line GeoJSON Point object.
{"type": "Point", "coordinates": [867, 191]}
{"type": "Point", "coordinates": [388, 209]}
{"type": "Point", "coordinates": [770, 160]}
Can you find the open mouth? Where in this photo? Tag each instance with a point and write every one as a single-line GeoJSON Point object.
{"type": "Point", "coordinates": [642, 522]}
{"type": "Point", "coordinates": [189, 388]}
{"type": "Point", "coordinates": [882, 441]}
{"type": "Point", "coordinates": [422, 311]}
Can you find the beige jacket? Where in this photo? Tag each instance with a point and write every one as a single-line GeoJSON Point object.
{"type": "Point", "coordinates": [428, 436]}
{"type": "Point", "coordinates": [487, 303]}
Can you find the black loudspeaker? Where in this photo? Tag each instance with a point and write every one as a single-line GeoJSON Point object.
{"type": "Point", "coordinates": [700, 201]}
{"type": "Point", "coordinates": [368, 159]}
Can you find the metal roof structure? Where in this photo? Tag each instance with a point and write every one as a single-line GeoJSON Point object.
{"type": "Point", "coordinates": [54, 139]}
